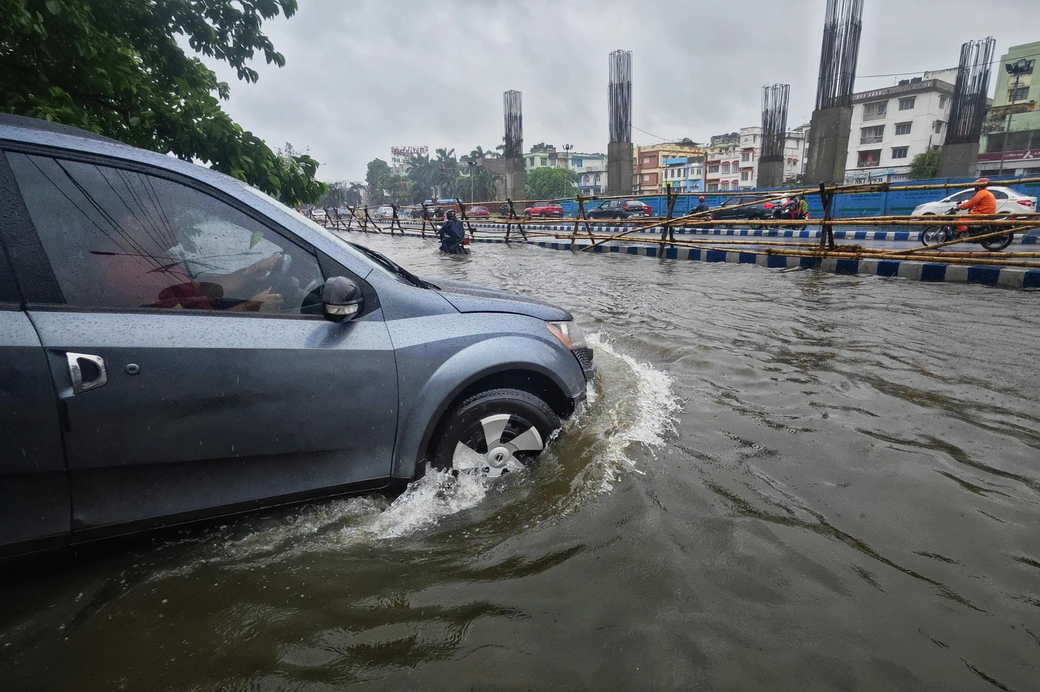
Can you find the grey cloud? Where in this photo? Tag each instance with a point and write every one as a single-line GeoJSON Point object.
{"type": "Point", "coordinates": [364, 76]}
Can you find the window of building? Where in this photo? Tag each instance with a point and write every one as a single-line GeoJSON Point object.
{"type": "Point", "coordinates": [725, 167]}
{"type": "Point", "coordinates": [907, 103]}
{"type": "Point", "coordinates": [713, 168]}
{"type": "Point", "coordinates": [746, 156]}
{"type": "Point", "coordinates": [869, 158]}
{"type": "Point", "coordinates": [1018, 94]}
{"type": "Point", "coordinates": [937, 126]}
{"type": "Point", "coordinates": [875, 110]}
{"type": "Point", "coordinates": [943, 98]}
{"type": "Point", "coordinates": [713, 187]}
{"type": "Point", "coordinates": [120, 239]}
{"type": "Point", "coordinates": [745, 175]}
{"type": "Point", "coordinates": [900, 152]}
{"type": "Point", "coordinates": [903, 128]}
{"type": "Point", "coordinates": [872, 135]}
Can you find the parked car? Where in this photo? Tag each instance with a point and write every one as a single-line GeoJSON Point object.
{"type": "Point", "coordinates": [1008, 202]}
{"type": "Point", "coordinates": [762, 210]}
{"type": "Point", "coordinates": [478, 212]}
{"type": "Point", "coordinates": [544, 209]}
{"type": "Point", "coordinates": [620, 209]}
{"type": "Point", "coordinates": [317, 213]}
{"type": "Point", "coordinates": [384, 212]}
{"type": "Point", "coordinates": [178, 345]}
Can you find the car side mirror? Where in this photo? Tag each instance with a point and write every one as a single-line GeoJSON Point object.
{"type": "Point", "coordinates": [342, 299]}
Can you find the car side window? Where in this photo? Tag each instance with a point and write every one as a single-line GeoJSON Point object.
{"type": "Point", "coordinates": [117, 238]}
{"type": "Point", "coordinates": [962, 196]}
{"type": "Point", "coordinates": [999, 194]}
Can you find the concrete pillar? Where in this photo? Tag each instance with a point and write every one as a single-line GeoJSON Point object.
{"type": "Point", "coordinates": [770, 173]}
{"type": "Point", "coordinates": [619, 168]}
{"type": "Point", "coordinates": [958, 160]}
{"type": "Point", "coordinates": [828, 145]}
{"type": "Point", "coordinates": [510, 177]}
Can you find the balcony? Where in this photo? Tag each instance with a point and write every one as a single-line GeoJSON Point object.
{"type": "Point", "coordinates": [871, 139]}
{"type": "Point", "coordinates": [873, 116]}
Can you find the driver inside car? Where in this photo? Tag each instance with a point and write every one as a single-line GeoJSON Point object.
{"type": "Point", "coordinates": [236, 271]}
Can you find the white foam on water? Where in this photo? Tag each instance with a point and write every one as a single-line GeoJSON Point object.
{"type": "Point", "coordinates": [428, 500]}
{"type": "Point", "coordinates": [646, 419]}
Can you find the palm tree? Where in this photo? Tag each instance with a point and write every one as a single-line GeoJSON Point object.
{"type": "Point", "coordinates": [446, 173]}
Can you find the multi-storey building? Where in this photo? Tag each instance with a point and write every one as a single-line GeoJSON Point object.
{"type": "Point", "coordinates": [592, 180]}
{"type": "Point", "coordinates": [549, 157]}
{"type": "Point", "coordinates": [892, 125]}
{"type": "Point", "coordinates": [649, 167]}
{"type": "Point", "coordinates": [684, 173]}
{"type": "Point", "coordinates": [1011, 143]}
{"type": "Point", "coordinates": [723, 162]}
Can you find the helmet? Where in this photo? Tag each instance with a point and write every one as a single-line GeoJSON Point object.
{"type": "Point", "coordinates": [451, 215]}
{"type": "Point", "coordinates": [981, 182]}
{"type": "Point", "coordinates": [701, 198]}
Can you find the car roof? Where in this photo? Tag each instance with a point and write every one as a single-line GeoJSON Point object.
{"type": "Point", "coordinates": [20, 129]}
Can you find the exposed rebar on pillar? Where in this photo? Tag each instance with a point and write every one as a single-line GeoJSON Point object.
{"type": "Point", "coordinates": [774, 134]}
{"type": "Point", "coordinates": [508, 171]}
{"type": "Point", "coordinates": [967, 108]}
{"type": "Point", "coordinates": [829, 134]}
{"type": "Point", "coordinates": [514, 138]}
{"type": "Point", "coordinates": [619, 104]}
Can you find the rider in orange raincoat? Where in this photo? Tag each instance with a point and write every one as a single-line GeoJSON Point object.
{"type": "Point", "coordinates": [983, 202]}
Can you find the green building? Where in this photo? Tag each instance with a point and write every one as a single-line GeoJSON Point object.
{"type": "Point", "coordinates": [1010, 144]}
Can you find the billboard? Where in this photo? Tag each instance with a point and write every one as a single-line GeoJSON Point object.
{"type": "Point", "coordinates": [408, 152]}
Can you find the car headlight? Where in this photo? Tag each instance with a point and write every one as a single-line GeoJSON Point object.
{"type": "Point", "coordinates": [568, 333]}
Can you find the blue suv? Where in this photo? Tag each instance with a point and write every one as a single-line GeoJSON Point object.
{"type": "Point", "coordinates": [176, 345]}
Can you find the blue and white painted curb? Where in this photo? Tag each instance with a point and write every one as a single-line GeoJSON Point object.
{"type": "Point", "coordinates": [1027, 239]}
{"type": "Point", "coordinates": [1009, 277]}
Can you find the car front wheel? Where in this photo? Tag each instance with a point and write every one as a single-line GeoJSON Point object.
{"type": "Point", "coordinates": [494, 432]}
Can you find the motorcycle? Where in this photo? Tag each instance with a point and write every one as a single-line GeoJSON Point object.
{"type": "Point", "coordinates": [940, 234]}
{"type": "Point", "coordinates": [788, 209]}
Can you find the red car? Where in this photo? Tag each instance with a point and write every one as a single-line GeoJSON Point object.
{"type": "Point", "coordinates": [477, 212]}
{"type": "Point", "coordinates": [544, 209]}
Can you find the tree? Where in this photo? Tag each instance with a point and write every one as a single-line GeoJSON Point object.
{"type": "Point", "coordinates": [926, 164]}
{"type": "Point", "coordinates": [548, 183]}
{"type": "Point", "coordinates": [115, 68]}
{"type": "Point", "coordinates": [378, 176]}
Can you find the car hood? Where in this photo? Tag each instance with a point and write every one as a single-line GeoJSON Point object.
{"type": "Point", "coordinates": [466, 297]}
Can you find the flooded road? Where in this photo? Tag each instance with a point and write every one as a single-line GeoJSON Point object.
{"type": "Point", "coordinates": [785, 480]}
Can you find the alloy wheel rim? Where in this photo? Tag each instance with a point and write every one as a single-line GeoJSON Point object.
{"type": "Point", "coordinates": [500, 456]}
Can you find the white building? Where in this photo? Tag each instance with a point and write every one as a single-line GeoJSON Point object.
{"type": "Point", "coordinates": [592, 178]}
{"type": "Point", "coordinates": [733, 158]}
{"type": "Point", "coordinates": [891, 126]}
{"type": "Point", "coordinates": [571, 160]}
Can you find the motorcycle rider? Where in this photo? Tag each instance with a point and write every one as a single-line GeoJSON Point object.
{"type": "Point", "coordinates": [983, 202]}
{"type": "Point", "coordinates": [701, 206]}
{"type": "Point", "coordinates": [452, 235]}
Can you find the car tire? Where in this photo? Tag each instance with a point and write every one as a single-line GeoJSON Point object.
{"type": "Point", "coordinates": [494, 432]}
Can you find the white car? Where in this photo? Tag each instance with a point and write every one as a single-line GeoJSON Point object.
{"type": "Point", "coordinates": [317, 213]}
{"type": "Point", "coordinates": [1008, 202]}
{"type": "Point", "coordinates": [384, 213]}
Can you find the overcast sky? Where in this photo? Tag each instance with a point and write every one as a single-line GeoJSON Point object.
{"type": "Point", "coordinates": [364, 75]}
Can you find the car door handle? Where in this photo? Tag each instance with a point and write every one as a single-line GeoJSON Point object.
{"type": "Point", "coordinates": [86, 371]}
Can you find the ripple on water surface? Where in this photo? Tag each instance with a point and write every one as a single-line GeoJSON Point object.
{"type": "Point", "coordinates": [783, 480]}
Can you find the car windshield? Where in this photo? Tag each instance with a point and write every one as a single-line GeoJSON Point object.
{"type": "Point", "coordinates": [304, 220]}
{"type": "Point", "coordinates": [393, 267]}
